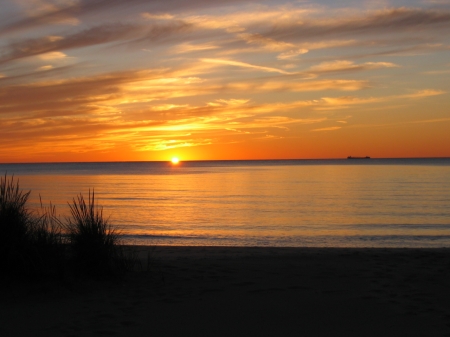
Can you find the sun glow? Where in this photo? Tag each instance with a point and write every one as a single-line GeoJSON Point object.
{"type": "Point", "coordinates": [175, 160]}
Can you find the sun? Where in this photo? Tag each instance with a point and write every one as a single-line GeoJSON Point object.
{"type": "Point", "coordinates": [175, 160]}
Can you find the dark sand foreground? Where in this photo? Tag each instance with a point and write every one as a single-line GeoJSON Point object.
{"type": "Point", "coordinates": [223, 291]}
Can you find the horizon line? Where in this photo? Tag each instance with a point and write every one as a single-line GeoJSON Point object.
{"type": "Point", "coordinates": [211, 160]}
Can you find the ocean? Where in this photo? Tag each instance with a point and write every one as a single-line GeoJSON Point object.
{"type": "Point", "coordinates": [282, 203]}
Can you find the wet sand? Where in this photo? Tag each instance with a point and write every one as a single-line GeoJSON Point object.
{"type": "Point", "coordinates": [231, 291]}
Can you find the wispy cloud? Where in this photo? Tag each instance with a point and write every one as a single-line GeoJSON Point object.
{"type": "Point", "coordinates": [331, 128]}
{"type": "Point", "coordinates": [51, 45]}
{"type": "Point", "coordinates": [437, 72]}
{"type": "Point", "coordinates": [189, 48]}
{"type": "Point", "coordinates": [382, 21]}
{"type": "Point", "coordinates": [344, 65]}
{"type": "Point", "coordinates": [95, 36]}
{"type": "Point", "coordinates": [346, 101]}
{"type": "Point", "coordinates": [245, 65]}
{"type": "Point", "coordinates": [48, 14]}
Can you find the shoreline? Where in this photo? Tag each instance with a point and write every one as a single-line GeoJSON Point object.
{"type": "Point", "coordinates": [291, 248]}
{"type": "Point", "coordinates": [242, 291]}
{"type": "Point", "coordinates": [208, 252]}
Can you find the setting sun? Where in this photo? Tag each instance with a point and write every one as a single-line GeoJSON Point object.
{"type": "Point", "coordinates": [175, 160]}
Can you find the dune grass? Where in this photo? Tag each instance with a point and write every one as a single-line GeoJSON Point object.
{"type": "Point", "coordinates": [95, 243]}
{"type": "Point", "coordinates": [38, 244]}
{"type": "Point", "coordinates": [15, 227]}
{"type": "Point", "coordinates": [48, 243]}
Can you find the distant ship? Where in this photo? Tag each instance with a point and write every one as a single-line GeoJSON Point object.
{"type": "Point", "coordinates": [350, 157]}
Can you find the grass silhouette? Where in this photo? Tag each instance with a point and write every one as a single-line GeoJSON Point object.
{"type": "Point", "coordinates": [95, 243]}
{"type": "Point", "coordinates": [15, 228]}
{"type": "Point", "coordinates": [40, 245]}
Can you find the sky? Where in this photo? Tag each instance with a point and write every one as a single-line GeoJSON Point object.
{"type": "Point", "coordinates": [140, 80]}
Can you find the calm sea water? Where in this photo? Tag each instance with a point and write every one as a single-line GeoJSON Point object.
{"type": "Point", "coordinates": [323, 203]}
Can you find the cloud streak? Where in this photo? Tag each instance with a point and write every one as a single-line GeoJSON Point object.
{"type": "Point", "coordinates": [82, 8]}
{"type": "Point", "coordinates": [245, 65]}
{"type": "Point", "coordinates": [383, 21]}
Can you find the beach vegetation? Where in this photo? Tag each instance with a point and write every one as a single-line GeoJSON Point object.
{"type": "Point", "coordinates": [15, 227]}
{"type": "Point", "coordinates": [49, 243]}
{"type": "Point", "coordinates": [38, 244]}
{"type": "Point", "coordinates": [30, 243]}
{"type": "Point", "coordinates": [95, 244]}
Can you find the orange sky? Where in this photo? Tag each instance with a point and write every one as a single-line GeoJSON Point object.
{"type": "Point", "coordinates": [97, 80]}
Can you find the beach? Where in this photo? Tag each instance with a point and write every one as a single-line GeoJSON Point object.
{"type": "Point", "coordinates": [237, 291]}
